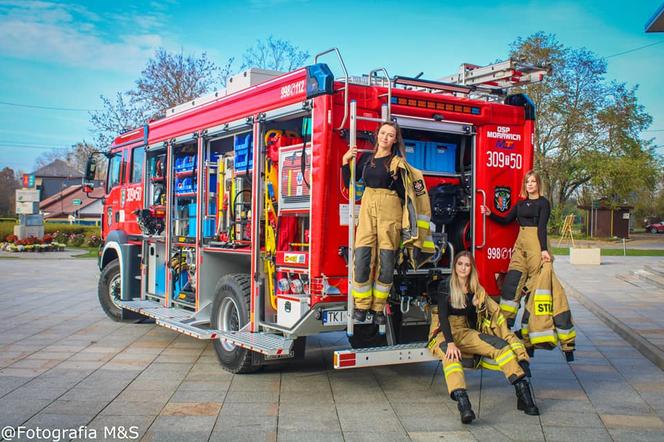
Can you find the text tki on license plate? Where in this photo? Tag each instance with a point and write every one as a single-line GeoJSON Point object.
{"type": "Point", "coordinates": [337, 317]}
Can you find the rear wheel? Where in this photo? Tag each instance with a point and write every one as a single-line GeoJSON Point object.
{"type": "Point", "coordinates": [109, 290]}
{"type": "Point", "coordinates": [653, 230]}
{"type": "Point", "coordinates": [230, 312]}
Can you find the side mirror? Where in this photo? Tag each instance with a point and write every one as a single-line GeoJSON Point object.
{"type": "Point", "coordinates": [90, 170]}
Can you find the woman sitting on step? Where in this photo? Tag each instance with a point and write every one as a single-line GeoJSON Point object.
{"type": "Point", "coordinates": [454, 331]}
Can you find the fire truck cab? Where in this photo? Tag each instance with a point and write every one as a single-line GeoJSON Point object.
{"type": "Point", "coordinates": [228, 219]}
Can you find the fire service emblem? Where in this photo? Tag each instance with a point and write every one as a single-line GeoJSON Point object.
{"type": "Point", "coordinates": [502, 199]}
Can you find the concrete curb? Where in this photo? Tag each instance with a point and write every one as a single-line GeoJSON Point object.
{"type": "Point", "coordinates": [66, 254]}
{"type": "Point", "coordinates": [652, 353]}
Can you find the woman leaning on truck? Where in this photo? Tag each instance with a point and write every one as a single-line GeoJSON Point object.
{"type": "Point", "coordinates": [531, 248]}
{"type": "Point", "coordinates": [378, 234]}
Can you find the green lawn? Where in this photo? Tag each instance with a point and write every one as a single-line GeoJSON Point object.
{"type": "Point", "coordinates": [92, 252]}
{"type": "Point", "coordinates": [615, 252]}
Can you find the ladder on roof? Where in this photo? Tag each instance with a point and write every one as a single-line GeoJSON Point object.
{"type": "Point", "coordinates": [497, 77]}
{"type": "Point", "coordinates": [475, 81]}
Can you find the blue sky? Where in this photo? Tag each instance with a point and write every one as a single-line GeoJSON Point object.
{"type": "Point", "coordinates": [65, 54]}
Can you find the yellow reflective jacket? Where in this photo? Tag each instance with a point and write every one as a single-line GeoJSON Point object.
{"type": "Point", "coordinates": [548, 320]}
{"type": "Point", "coordinates": [416, 236]}
{"type": "Point", "coordinates": [490, 321]}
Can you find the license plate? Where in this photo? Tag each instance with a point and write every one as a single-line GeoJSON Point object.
{"type": "Point", "coordinates": [334, 317]}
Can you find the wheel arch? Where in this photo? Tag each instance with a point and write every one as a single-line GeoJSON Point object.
{"type": "Point", "coordinates": [118, 247]}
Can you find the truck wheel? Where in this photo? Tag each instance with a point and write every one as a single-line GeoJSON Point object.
{"type": "Point", "coordinates": [230, 312]}
{"type": "Point", "coordinates": [110, 282]}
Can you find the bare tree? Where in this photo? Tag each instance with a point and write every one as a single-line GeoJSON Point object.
{"type": "Point", "coordinates": [76, 156]}
{"type": "Point", "coordinates": [116, 117]}
{"type": "Point", "coordinates": [275, 54]}
{"type": "Point", "coordinates": [8, 183]}
{"type": "Point", "coordinates": [172, 79]}
{"type": "Point", "coordinates": [47, 157]}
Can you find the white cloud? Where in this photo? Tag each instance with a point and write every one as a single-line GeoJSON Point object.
{"type": "Point", "coordinates": [73, 35]}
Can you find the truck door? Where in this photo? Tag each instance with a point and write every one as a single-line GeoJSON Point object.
{"type": "Point", "coordinates": [133, 188]}
{"type": "Point", "coordinates": [499, 166]}
{"type": "Point", "coordinates": [111, 215]}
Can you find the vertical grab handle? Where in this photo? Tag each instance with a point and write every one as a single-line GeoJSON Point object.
{"type": "Point", "coordinates": [483, 220]}
{"type": "Point", "coordinates": [350, 309]}
{"type": "Point", "coordinates": [343, 66]}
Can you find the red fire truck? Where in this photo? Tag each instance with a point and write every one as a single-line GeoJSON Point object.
{"type": "Point", "coordinates": [228, 219]}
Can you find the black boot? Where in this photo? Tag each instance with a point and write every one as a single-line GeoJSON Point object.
{"type": "Point", "coordinates": [360, 315]}
{"type": "Point", "coordinates": [525, 366]}
{"type": "Point", "coordinates": [463, 404]}
{"type": "Point", "coordinates": [379, 318]}
{"type": "Point", "coordinates": [525, 400]}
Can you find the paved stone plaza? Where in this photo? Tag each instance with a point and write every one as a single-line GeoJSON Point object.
{"type": "Point", "coordinates": [64, 364]}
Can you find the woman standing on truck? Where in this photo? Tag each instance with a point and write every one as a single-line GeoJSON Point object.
{"type": "Point", "coordinates": [378, 235]}
{"type": "Point", "coordinates": [531, 248]}
{"type": "Point", "coordinates": [463, 307]}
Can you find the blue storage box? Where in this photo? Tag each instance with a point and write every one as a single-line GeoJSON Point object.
{"type": "Point", "coordinates": [178, 163]}
{"type": "Point", "coordinates": [440, 157]}
{"type": "Point", "coordinates": [186, 163]}
{"type": "Point", "coordinates": [179, 283]}
{"type": "Point", "coordinates": [209, 227]}
{"type": "Point", "coordinates": [184, 185]}
{"type": "Point", "coordinates": [244, 152]}
{"type": "Point", "coordinates": [191, 227]}
{"type": "Point", "coordinates": [415, 153]}
{"type": "Point", "coordinates": [160, 280]}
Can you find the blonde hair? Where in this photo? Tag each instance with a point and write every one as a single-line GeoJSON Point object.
{"type": "Point", "coordinates": [538, 180]}
{"type": "Point", "coordinates": [457, 292]}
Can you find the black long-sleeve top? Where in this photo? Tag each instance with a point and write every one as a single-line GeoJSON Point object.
{"type": "Point", "coordinates": [529, 213]}
{"type": "Point", "coordinates": [377, 176]}
{"type": "Point", "coordinates": [445, 309]}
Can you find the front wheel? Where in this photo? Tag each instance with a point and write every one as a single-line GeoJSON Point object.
{"type": "Point", "coordinates": [653, 230]}
{"type": "Point", "coordinates": [109, 290]}
{"type": "Point", "coordinates": [230, 312]}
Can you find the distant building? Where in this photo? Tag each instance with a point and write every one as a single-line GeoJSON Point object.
{"type": "Point", "coordinates": [604, 221]}
{"type": "Point", "coordinates": [56, 176]}
{"type": "Point", "coordinates": [73, 203]}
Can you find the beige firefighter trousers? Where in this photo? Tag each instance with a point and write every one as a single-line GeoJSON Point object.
{"type": "Point", "coordinates": [522, 272]}
{"type": "Point", "coordinates": [377, 241]}
{"type": "Point", "coordinates": [471, 342]}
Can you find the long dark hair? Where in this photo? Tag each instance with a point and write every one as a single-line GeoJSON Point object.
{"type": "Point", "coordinates": [397, 147]}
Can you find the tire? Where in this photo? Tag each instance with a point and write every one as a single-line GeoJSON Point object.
{"type": "Point", "coordinates": [108, 291]}
{"type": "Point", "coordinates": [230, 312]}
{"type": "Point", "coordinates": [653, 230]}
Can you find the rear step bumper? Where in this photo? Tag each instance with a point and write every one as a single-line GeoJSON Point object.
{"type": "Point", "coordinates": [378, 356]}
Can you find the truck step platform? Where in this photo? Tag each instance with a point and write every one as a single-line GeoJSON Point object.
{"type": "Point", "coordinates": [174, 318]}
{"type": "Point", "coordinates": [265, 343]}
{"type": "Point", "coordinates": [377, 356]}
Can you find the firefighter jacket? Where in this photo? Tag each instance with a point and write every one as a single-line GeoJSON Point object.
{"type": "Point", "coordinates": [416, 236]}
{"type": "Point", "coordinates": [490, 321]}
{"type": "Point", "coordinates": [549, 320]}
